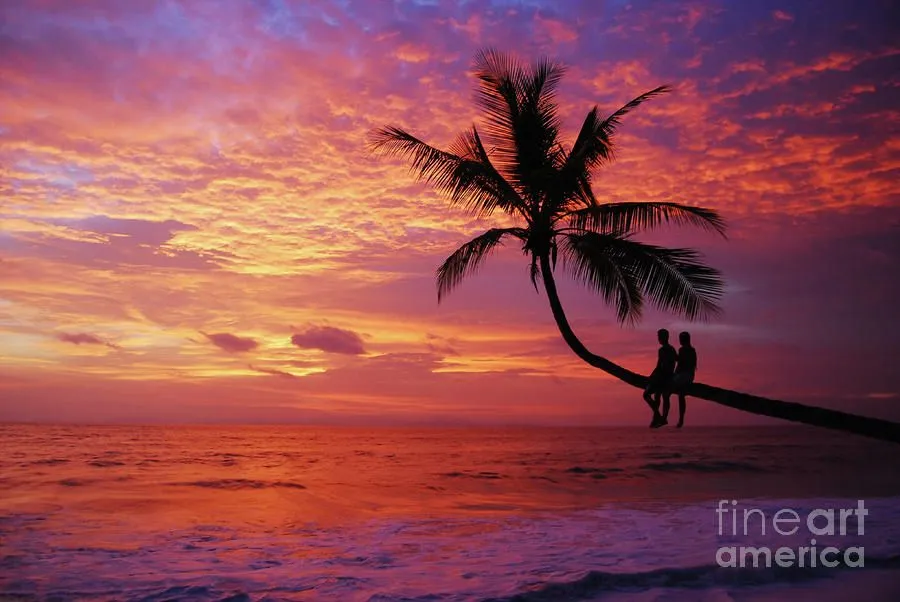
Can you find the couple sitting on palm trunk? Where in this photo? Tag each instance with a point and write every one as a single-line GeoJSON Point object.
{"type": "Point", "coordinates": [674, 373]}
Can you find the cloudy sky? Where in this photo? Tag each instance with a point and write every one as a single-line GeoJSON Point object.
{"type": "Point", "coordinates": [192, 228]}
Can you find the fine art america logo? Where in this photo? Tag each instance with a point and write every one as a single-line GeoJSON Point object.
{"type": "Point", "coordinates": [735, 521]}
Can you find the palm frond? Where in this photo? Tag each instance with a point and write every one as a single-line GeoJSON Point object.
{"type": "Point", "coordinates": [539, 99]}
{"type": "Point", "coordinates": [595, 261]}
{"type": "Point", "coordinates": [674, 280]}
{"type": "Point", "coordinates": [465, 175]}
{"type": "Point", "coordinates": [522, 117]}
{"type": "Point", "coordinates": [594, 143]}
{"type": "Point", "coordinates": [500, 79]}
{"type": "Point", "coordinates": [466, 259]}
{"type": "Point", "coordinates": [470, 147]}
{"type": "Point", "coordinates": [612, 122]}
{"type": "Point", "coordinates": [624, 218]}
{"type": "Point", "coordinates": [534, 271]}
{"type": "Point", "coordinates": [593, 147]}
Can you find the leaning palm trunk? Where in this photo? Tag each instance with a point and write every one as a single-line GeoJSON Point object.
{"type": "Point", "coordinates": [763, 406]}
{"type": "Point", "coordinates": [523, 168]}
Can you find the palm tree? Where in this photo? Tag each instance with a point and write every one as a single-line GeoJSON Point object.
{"type": "Point", "coordinates": [545, 186]}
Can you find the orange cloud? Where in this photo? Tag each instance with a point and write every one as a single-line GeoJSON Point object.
{"type": "Point", "coordinates": [557, 32]}
{"type": "Point", "coordinates": [412, 54]}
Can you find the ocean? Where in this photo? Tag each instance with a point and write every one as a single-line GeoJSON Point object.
{"type": "Point", "coordinates": [262, 513]}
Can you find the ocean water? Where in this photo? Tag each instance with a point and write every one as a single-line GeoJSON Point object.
{"type": "Point", "coordinates": [434, 515]}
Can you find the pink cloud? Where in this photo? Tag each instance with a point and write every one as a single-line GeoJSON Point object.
{"type": "Point", "coordinates": [780, 15]}
{"type": "Point", "coordinates": [556, 31]}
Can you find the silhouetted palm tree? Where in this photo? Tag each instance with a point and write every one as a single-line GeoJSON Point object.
{"type": "Point", "coordinates": [533, 177]}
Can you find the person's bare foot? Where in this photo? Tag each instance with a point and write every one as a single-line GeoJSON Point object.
{"type": "Point", "coordinates": [661, 422]}
{"type": "Point", "coordinates": [656, 422]}
{"type": "Point", "coordinates": [679, 425]}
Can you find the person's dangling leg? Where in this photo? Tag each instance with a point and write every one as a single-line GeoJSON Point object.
{"type": "Point", "coordinates": [682, 406]}
{"type": "Point", "coordinates": [653, 403]}
{"type": "Point", "coordinates": [658, 419]}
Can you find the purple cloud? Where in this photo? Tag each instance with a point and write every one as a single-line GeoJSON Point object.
{"type": "Point", "coordinates": [231, 343]}
{"type": "Point", "coordinates": [139, 231]}
{"type": "Point", "coordinates": [272, 371]}
{"type": "Point", "coordinates": [130, 242]}
{"type": "Point", "coordinates": [83, 338]}
{"type": "Point", "coordinates": [329, 339]}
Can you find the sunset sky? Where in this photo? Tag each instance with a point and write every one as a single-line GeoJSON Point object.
{"type": "Point", "coordinates": [193, 230]}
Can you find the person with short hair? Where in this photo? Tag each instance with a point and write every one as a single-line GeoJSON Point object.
{"type": "Point", "coordinates": [659, 382]}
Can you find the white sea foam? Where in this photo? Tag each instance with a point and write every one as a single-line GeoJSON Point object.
{"type": "Point", "coordinates": [586, 553]}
